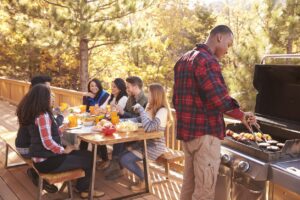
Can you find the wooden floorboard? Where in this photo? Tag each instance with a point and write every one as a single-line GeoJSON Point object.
{"type": "Point", "coordinates": [16, 185]}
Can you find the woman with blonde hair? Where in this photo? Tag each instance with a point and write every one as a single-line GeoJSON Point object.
{"type": "Point", "coordinates": [154, 118]}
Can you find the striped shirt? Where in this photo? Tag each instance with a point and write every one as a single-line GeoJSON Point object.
{"type": "Point", "coordinates": [155, 147]}
{"type": "Point", "coordinates": [43, 122]}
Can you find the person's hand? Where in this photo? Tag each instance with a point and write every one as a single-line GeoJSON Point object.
{"type": "Point", "coordinates": [119, 109]}
{"type": "Point", "coordinates": [68, 149]}
{"type": "Point", "coordinates": [63, 127]}
{"type": "Point", "coordinates": [100, 110]}
{"type": "Point", "coordinates": [56, 111]}
{"type": "Point", "coordinates": [89, 94]}
{"type": "Point", "coordinates": [248, 120]}
{"type": "Point", "coordinates": [137, 107]}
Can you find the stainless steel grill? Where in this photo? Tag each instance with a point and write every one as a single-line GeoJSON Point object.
{"type": "Point", "coordinates": [247, 171]}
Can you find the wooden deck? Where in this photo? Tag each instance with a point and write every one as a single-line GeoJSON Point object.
{"type": "Point", "coordinates": [15, 184]}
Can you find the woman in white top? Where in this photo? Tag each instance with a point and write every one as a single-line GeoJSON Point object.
{"type": "Point", "coordinates": [118, 95]}
{"type": "Point", "coordinates": [153, 118]}
{"type": "Point", "coordinates": [118, 98]}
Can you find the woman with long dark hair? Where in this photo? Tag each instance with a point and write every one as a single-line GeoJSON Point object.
{"type": "Point", "coordinates": [118, 95]}
{"type": "Point", "coordinates": [48, 154]}
{"type": "Point", "coordinates": [96, 96]}
{"type": "Point", "coordinates": [118, 98]}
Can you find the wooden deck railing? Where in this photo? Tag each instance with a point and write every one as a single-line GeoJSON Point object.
{"type": "Point", "coordinates": [14, 90]}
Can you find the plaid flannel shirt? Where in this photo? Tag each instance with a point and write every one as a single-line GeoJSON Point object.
{"type": "Point", "coordinates": [200, 95]}
{"type": "Point", "coordinates": [43, 122]}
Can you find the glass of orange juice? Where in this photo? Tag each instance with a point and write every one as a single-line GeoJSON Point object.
{"type": "Point", "coordinates": [72, 121]}
{"type": "Point", "coordinates": [115, 119]}
{"type": "Point", "coordinates": [92, 110]}
{"type": "Point", "coordinates": [63, 106]}
{"type": "Point", "coordinates": [82, 108]}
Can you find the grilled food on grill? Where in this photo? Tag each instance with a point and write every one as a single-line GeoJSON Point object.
{"type": "Point", "coordinates": [272, 142]}
{"type": "Point", "coordinates": [280, 144]}
{"type": "Point", "coordinates": [258, 135]}
{"type": "Point", "coordinates": [236, 136]}
{"type": "Point", "coordinates": [263, 144]}
{"type": "Point", "coordinates": [266, 137]}
{"type": "Point", "coordinates": [229, 132]}
{"type": "Point", "coordinates": [273, 148]}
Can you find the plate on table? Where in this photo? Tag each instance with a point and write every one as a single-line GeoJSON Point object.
{"type": "Point", "coordinates": [76, 127]}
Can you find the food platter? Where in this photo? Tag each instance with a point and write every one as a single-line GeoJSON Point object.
{"type": "Point", "coordinates": [127, 126]}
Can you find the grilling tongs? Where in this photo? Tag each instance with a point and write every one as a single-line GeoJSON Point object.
{"type": "Point", "coordinates": [252, 132]}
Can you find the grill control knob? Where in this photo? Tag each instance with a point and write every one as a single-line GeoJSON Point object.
{"type": "Point", "coordinates": [243, 166]}
{"type": "Point", "coordinates": [225, 158]}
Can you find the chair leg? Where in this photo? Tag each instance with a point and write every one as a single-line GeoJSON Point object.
{"type": "Point", "coordinates": [62, 188]}
{"type": "Point", "coordinates": [40, 192]}
{"type": "Point", "coordinates": [6, 156]}
{"type": "Point", "coordinates": [167, 170]}
{"type": "Point", "coordinates": [70, 189]}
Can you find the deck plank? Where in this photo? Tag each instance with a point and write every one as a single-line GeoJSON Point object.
{"type": "Point", "coordinates": [19, 190]}
{"type": "Point", "coordinates": [5, 192]}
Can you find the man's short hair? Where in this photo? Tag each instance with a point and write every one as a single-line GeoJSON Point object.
{"type": "Point", "coordinates": [223, 29]}
{"type": "Point", "coordinates": [135, 80]}
{"type": "Point", "coordinates": [40, 79]}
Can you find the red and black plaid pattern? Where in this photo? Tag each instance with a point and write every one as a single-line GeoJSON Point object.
{"type": "Point", "coordinates": [200, 95]}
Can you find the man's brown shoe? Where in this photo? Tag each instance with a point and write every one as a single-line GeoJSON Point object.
{"type": "Point", "coordinates": [141, 186]}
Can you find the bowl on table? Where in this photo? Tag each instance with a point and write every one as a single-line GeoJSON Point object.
{"type": "Point", "coordinates": [108, 130]}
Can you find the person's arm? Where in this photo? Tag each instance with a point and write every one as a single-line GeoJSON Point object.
{"type": "Point", "coordinates": [210, 80]}
{"type": "Point", "coordinates": [44, 125]}
{"type": "Point", "coordinates": [149, 124]}
{"type": "Point", "coordinates": [105, 101]}
{"type": "Point", "coordinates": [59, 119]}
{"type": "Point", "coordinates": [235, 113]}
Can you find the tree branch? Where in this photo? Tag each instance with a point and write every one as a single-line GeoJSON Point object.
{"type": "Point", "coordinates": [121, 15]}
{"type": "Point", "coordinates": [56, 4]}
{"type": "Point", "coordinates": [103, 44]}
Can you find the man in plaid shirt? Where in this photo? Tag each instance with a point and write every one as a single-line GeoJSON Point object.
{"type": "Point", "coordinates": [200, 99]}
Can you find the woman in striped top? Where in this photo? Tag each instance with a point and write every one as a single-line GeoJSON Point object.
{"type": "Point", "coordinates": [153, 118]}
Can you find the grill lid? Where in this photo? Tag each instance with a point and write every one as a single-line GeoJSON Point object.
{"type": "Point", "coordinates": [278, 89]}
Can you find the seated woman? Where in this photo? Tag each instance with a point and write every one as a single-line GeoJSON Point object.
{"type": "Point", "coordinates": [97, 97]}
{"type": "Point", "coordinates": [153, 118]}
{"type": "Point", "coordinates": [47, 153]}
{"type": "Point", "coordinates": [118, 98]}
{"type": "Point", "coordinates": [118, 95]}
{"type": "Point", "coordinates": [22, 143]}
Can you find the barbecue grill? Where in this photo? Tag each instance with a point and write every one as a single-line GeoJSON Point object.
{"type": "Point", "coordinates": [247, 171]}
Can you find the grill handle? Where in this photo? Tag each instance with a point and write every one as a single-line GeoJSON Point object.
{"type": "Point", "coordinates": [276, 56]}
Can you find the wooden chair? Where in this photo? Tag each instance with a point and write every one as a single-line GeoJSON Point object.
{"type": "Point", "coordinates": [64, 177]}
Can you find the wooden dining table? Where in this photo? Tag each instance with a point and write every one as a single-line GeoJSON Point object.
{"type": "Point", "coordinates": [97, 138]}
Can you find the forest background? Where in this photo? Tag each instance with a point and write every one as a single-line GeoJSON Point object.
{"type": "Point", "coordinates": [76, 40]}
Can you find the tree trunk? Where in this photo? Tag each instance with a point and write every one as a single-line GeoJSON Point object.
{"type": "Point", "coordinates": [84, 63]}
{"type": "Point", "coordinates": [289, 46]}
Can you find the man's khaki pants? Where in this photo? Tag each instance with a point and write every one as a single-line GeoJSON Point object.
{"type": "Point", "coordinates": [202, 160]}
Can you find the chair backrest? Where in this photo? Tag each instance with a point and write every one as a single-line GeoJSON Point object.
{"type": "Point", "coordinates": [170, 136]}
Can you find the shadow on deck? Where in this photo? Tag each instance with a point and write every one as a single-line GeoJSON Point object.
{"type": "Point", "coordinates": [15, 184]}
